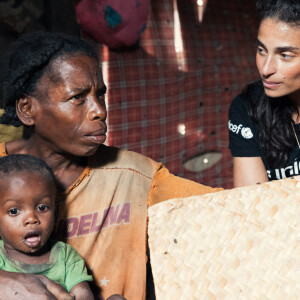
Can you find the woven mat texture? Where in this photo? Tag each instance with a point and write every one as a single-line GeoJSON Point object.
{"type": "Point", "coordinates": [242, 243]}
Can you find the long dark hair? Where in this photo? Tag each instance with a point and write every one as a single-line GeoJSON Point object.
{"type": "Point", "coordinates": [26, 61]}
{"type": "Point", "coordinates": [287, 11]}
{"type": "Point", "coordinates": [274, 116]}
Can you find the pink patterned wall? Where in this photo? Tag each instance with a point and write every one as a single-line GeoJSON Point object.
{"type": "Point", "coordinates": [149, 96]}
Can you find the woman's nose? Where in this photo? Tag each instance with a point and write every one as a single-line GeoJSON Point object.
{"type": "Point", "coordinates": [97, 109]}
{"type": "Point", "coordinates": [269, 66]}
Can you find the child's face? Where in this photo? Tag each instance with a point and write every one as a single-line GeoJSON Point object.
{"type": "Point", "coordinates": [27, 204]}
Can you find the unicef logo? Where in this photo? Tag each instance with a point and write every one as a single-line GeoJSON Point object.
{"type": "Point", "coordinates": [246, 133]}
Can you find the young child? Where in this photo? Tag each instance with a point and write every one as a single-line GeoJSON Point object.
{"type": "Point", "coordinates": [27, 207]}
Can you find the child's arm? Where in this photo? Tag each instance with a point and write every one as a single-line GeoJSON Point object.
{"type": "Point", "coordinates": [82, 291]}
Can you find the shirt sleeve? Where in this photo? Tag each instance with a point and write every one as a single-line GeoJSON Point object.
{"type": "Point", "coordinates": [242, 135]}
{"type": "Point", "coordinates": [167, 186]}
{"type": "Point", "coordinates": [2, 263]}
{"type": "Point", "coordinates": [76, 270]}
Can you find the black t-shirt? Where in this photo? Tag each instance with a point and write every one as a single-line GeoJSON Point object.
{"type": "Point", "coordinates": [243, 140]}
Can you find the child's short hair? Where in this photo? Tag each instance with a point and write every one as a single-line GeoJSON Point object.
{"type": "Point", "coordinates": [16, 163]}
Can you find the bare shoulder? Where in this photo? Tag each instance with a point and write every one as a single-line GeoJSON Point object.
{"type": "Point", "coordinates": [19, 146]}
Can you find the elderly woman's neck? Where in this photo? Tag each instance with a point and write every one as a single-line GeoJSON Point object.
{"type": "Point", "coordinates": [66, 172]}
{"type": "Point", "coordinates": [66, 168]}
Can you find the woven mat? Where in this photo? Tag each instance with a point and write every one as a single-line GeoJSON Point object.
{"type": "Point", "coordinates": [242, 243]}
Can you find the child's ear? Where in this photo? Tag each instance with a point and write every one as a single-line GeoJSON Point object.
{"type": "Point", "coordinates": [24, 109]}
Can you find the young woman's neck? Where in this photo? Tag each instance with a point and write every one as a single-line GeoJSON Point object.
{"type": "Point", "coordinates": [295, 97]}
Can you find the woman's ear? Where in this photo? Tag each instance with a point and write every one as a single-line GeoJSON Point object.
{"type": "Point", "coordinates": [24, 109]}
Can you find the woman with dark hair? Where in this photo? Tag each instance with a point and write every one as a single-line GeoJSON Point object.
{"type": "Point", "coordinates": [53, 85]}
{"type": "Point", "coordinates": [264, 129]}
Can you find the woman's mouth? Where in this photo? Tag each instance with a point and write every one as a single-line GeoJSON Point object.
{"type": "Point", "coordinates": [98, 136]}
{"type": "Point", "coordinates": [271, 84]}
{"type": "Point", "coordinates": [98, 139]}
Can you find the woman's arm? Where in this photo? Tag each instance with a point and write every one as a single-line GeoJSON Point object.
{"type": "Point", "coordinates": [30, 286]}
{"type": "Point", "coordinates": [248, 171]}
{"type": "Point", "coordinates": [82, 291]}
{"type": "Point", "coordinates": [248, 167]}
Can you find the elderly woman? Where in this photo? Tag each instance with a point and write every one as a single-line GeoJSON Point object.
{"type": "Point", "coordinates": [264, 121]}
{"type": "Point", "coordinates": [54, 85]}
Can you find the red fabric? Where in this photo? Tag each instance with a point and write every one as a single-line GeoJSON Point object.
{"type": "Point", "coordinates": [116, 23]}
{"type": "Point", "coordinates": [148, 96]}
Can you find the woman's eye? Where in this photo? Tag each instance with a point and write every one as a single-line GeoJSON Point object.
{"type": "Point", "coordinates": [13, 212]}
{"type": "Point", "coordinates": [42, 208]}
{"type": "Point", "coordinates": [286, 56]}
{"type": "Point", "coordinates": [101, 93]}
{"type": "Point", "coordinates": [78, 99]}
{"type": "Point", "coordinates": [260, 50]}
{"type": "Point", "coordinates": [101, 96]}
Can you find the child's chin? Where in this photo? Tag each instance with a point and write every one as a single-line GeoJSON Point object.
{"type": "Point", "coordinates": [38, 250]}
{"type": "Point", "coordinates": [32, 251]}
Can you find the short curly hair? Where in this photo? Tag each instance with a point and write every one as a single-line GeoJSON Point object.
{"type": "Point", "coordinates": [26, 61]}
{"type": "Point", "coordinates": [13, 164]}
{"type": "Point", "coordinates": [287, 11]}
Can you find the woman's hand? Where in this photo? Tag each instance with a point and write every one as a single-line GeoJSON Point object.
{"type": "Point", "coordinates": [30, 286]}
{"type": "Point", "coordinates": [116, 297]}
{"type": "Point", "coordinates": [248, 171]}
{"type": "Point", "coordinates": [55, 289]}
{"type": "Point", "coordinates": [82, 291]}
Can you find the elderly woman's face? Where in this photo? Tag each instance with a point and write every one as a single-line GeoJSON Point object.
{"type": "Point", "coordinates": [70, 110]}
{"type": "Point", "coordinates": [278, 58]}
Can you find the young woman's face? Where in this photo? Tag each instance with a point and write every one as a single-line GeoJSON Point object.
{"type": "Point", "coordinates": [27, 205]}
{"type": "Point", "coordinates": [278, 58]}
{"type": "Point", "coordinates": [69, 111]}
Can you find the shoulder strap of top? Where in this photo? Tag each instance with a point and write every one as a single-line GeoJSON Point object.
{"type": "Point", "coordinates": [2, 149]}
